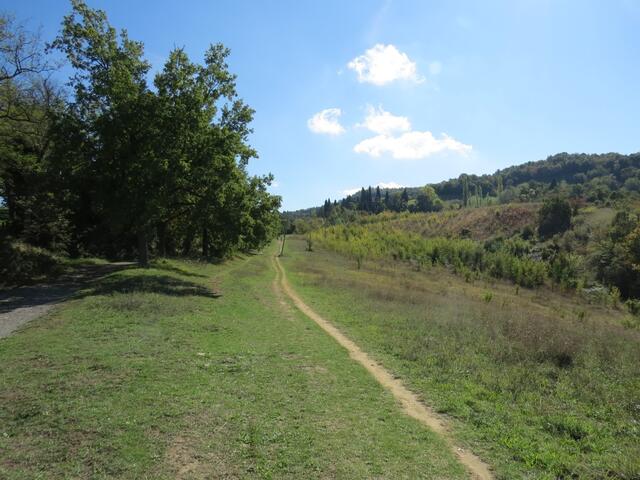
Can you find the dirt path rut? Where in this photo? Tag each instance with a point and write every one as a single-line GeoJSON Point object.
{"type": "Point", "coordinates": [411, 404]}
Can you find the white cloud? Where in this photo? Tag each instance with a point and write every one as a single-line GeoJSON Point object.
{"type": "Point", "coordinates": [390, 185]}
{"type": "Point", "coordinates": [410, 145]}
{"type": "Point", "coordinates": [379, 121]}
{"type": "Point", "coordinates": [435, 68]}
{"type": "Point", "coordinates": [383, 64]}
{"type": "Point", "coordinates": [351, 191]}
{"type": "Point", "coordinates": [326, 121]}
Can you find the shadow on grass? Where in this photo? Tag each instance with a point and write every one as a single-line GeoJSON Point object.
{"type": "Point", "coordinates": [162, 284]}
{"type": "Point", "coordinates": [173, 269]}
{"type": "Point", "coordinates": [80, 273]}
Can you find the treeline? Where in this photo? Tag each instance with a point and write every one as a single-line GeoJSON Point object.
{"type": "Point", "coordinates": [375, 201]}
{"type": "Point", "coordinates": [594, 176]}
{"type": "Point", "coordinates": [118, 167]}
{"type": "Point", "coordinates": [585, 178]}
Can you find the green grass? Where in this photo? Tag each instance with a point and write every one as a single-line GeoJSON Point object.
{"type": "Point", "coordinates": [188, 370]}
{"type": "Point", "coordinates": [539, 384]}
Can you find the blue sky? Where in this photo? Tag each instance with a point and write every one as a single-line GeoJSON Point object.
{"type": "Point", "coordinates": [351, 93]}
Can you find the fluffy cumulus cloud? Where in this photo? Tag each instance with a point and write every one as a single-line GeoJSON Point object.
{"type": "Point", "coordinates": [383, 64]}
{"type": "Point", "coordinates": [326, 121]}
{"type": "Point", "coordinates": [351, 191]}
{"type": "Point", "coordinates": [379, 121]}
{"type": "Point", "coordinates": [410, 145]}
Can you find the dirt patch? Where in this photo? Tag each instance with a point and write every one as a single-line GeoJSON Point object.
{"type": "Point", "coordinates": [188, 458]}
{"type": "Point", "coordinates": [410, 402]}
{"type": "Point", "coordinates": [183, 458]}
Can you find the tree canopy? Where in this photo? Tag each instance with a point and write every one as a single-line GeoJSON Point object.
{"type": "Point", "coordinates": [121, 166]}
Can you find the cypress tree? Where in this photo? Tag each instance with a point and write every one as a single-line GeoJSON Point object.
{"type": "Point", "coordinates": [465, 191]}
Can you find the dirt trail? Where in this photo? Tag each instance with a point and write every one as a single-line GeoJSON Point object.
{"type": "Point", "coordinates": [23, 304]}
{"type": "Point", "coordinates": [409, 401]}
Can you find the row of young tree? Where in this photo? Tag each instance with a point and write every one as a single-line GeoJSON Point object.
{"type": "Point", "coordinates": [115, 166]}
{"type": "Point", "coordinates": [605, 272]}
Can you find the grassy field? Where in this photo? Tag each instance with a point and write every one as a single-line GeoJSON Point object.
{"type": "Point", "coordinates": [541, 385]}
{"type": "Point", "coordinates": [188, 370]}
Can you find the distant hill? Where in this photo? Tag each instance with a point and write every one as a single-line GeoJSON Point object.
{"type": "Point", "coordinates": [594, 177]}
{"type": "Point", "coordinates": [612, 170]}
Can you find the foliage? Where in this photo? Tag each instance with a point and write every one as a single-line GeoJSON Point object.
{"type": "Point", "coordinates": [119, 167]}
{"type": "Point", "coordinates": [374, 201]}
{"type": "Point", "coordinates": [617, 256]}
{"type": "Point", "coordinates": [564, 270]}
{"type": "Point", "coordinates": [606, 180]}
{"type": "Point", "coordinates": [24, 263]}
{"type": "Point", "coordinates": [377, 241]}
{"type": "Point", "coordinates": [554, 217]}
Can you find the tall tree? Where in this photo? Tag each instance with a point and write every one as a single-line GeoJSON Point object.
{"type": "Point", "coordinates": [428, 200]}
{"type": "Point", "coordinates": [115, 107]}
{"type": "Point", "coordinates": [27, 181]}
{"type": "Point", "coordinates": [465, 190]}
{"type": "Point", "coordinates": [404, 199]}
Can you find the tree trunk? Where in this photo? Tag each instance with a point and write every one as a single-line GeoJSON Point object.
{"type": "Point", "coordinates": [205, 243]}
{"type": "Point", "coordinates": [162, 239]}
{"type": "Point", "coordinates": [143, 249]}
{"type": "Point", "coordinates": [187, 243]}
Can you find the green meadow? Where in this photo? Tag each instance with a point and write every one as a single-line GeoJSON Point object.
{"type": "Point", "coordinates": [193, 370]}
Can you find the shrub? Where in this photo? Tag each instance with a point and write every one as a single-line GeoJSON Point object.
{"type": "Point", "coordinates": [597, 294]}
{"type": "Point", "coordinates": [633, 305]}
{"type": "Point", "coordinates": [554, 217]}
{"type": "Point", "coordinates": [24, 263]}
{"type": "Point", "coordinates": [564, 269]}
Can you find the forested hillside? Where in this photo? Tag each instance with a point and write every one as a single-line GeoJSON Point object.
{"type": "Point", "coordinates": [116, 163]}
{"type": "Point", "coordinates": [602, 179]}
{"type": "Point", "coordinates": [569, 222]}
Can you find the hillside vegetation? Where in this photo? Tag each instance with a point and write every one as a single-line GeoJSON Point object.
{"type": "Point", "coordinates": [539, 383]}
{"type": "Point", "coordinates": [601, 179]}
{"type": "Point", "coordinates": [512, 304]}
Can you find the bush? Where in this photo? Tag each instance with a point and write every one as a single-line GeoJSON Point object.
{"type": "Point", "coordinates": [596, 294]}
{"type": "Point", "coordinates": [564, 270]}
{"type": "Point", "coordinates": [633, 305]}
{"type": "Point", "coordinates": [554, 217]}
{"type": "Point", "coordinates": [24, 263]}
